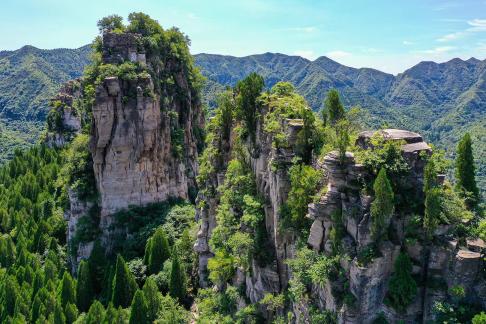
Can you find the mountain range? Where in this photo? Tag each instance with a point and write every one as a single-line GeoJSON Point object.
{"type": "Point", "coordinates": [439, 100]}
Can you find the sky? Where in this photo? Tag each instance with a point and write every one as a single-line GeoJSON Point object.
{"type": "Point", "coordinates": [388, 35]}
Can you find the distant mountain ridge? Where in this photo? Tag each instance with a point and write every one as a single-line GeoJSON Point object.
{"type": "Point", "coordinates": [440, 100]}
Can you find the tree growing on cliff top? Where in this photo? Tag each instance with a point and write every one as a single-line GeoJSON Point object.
{"type": "Point", "coordinates": [382, 206]}
{"type": "Point", "coordinates": [333, 108]}
{"type": "Point", "coordinates": [110, 23]}
{"type": "Point", "coordinates": [465, 171]}
{"type": "Point", "coordinates": [124, 285]}
{"type": "Point", "coordinates": [248, 91]}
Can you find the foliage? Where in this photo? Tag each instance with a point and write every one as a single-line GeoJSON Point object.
{"type": "Point", "coordinates": [303, 185]}
{"type": "Point", "coordinates": [333, 108]}
{"type": "Point", "coordinates": [248, 90]}
{"type": "Point", "coordinates": [157, 251]}
{"type": "Point", "coordinates": [138, 309]}
{"type": "Point", "coordinates": [177, 284]}
{"type": "Point", "coordinates": [124, 285]}
{"type": "Point", "coordinates": [110, 24]}
{"type": "Point", "coordinates": [84, 292]}
{"type": "Point", "coordinates": [402, 287]}
{"type": "Point", "coordinates": [382, 207]}
{"type": "Point", "coordinates": [466, 171]}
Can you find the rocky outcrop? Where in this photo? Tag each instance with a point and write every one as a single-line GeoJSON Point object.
{"type": "Point", "coordinates": [136, 128]}
{"type": "Point", "coordinates": [64, 121]}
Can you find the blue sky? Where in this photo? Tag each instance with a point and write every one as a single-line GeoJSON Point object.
{"type": "Point", "coordinates": [390, 35]}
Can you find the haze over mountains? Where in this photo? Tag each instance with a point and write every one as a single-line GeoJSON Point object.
{"type": "Point", "coordinates": [441, 101]}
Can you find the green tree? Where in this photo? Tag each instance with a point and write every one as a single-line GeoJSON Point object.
{"type": "Point", "coordinates": [139, 309]}
{"type": "Point", "coordinates": [249, 90]}
{"type": "Point", "coordinates": [466, 171]}
{"type": "Point", "coordinates": [430, 176]}
{"type": "Point", "coordinates": [402, 287]}
{"type": "Point", "coordinates": [67, 290]}
{"type": "Point", "coordinates": [124, 285]}
{"type": "Point", "coordinates": [110, 23]}
{"type": "Point", "coordinates": [71, 313]}
{"type": "Point", "coordinates": [158, 251]}
{"type": "Point", "coordinates": [479, 318]}
{"type": "Point", "coordinates": [84, 288]}
{"type": "Point", "coordinates": [96, 313]}
{"type": "Point", "coordinates": [382, 206]}
{"type": "Point", "coordinates": [432, 211]}
{"type": "Point", "coordinates": [225, 112]}
{"type": "Point", "coordinates": [333, 108]}
{"type": "Point", "coordinates": [177, 284]}
{"type": "Point", "coordinates": [58, 315]}
{"type": "Point", "coordinates": [97, 266]}
{"type": "Point", "coordinates": [153, 299]}
{"type": "Point", "coordinates": [342, 138]}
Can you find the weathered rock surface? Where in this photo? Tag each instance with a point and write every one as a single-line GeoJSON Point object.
{"type": "Point", "coordinates": [132, 135]}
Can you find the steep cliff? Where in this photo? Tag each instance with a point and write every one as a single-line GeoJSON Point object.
{"type": "Point", "coordinates": [334, 264]}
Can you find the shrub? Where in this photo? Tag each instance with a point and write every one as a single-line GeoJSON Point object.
{"type": "Point", "coordinates": [402, 287]}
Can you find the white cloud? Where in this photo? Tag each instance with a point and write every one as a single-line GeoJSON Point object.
{"type": "Point", "coordinates": [407, 43]}
{"type": "Point", "coordinates": [451, 37]}
{"type": "Point", "coordinates": [192, 16]}
{"type": "Point", "coordinates": [438, 50]}
{"type": "Point", "coordinates": [308, 54]}
{"type": "Point", "coordinates": [478, 25]}
{"type": "Point", "coordinates": [337, 55]}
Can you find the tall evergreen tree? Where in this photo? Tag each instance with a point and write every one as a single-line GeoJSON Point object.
{"type": "Point", "coordinates": [71, 313]}
{"type": "Point", "coordinates": [153, 299]}
{"type": "Point", "coordinates": [84, 288]}
{"type": "Point", "coordinates": [333, 108]}
{"type": "Point", "coordinates": [158, 251]}
{"type": "Point", "coordinates": [249, 90]}
{"type": "Point", "coordinates": [97, 264]}
{"type": "Point", "coordinates": [382, 206]}
{"type": "Point", "coordinates": [96, 313]}
{"type": "Point", "coordinates": [139, 309]}
{"type": "Point", "coordinates": [430, 176]}
{"type": "Point", "coordinates": [58, 316]}
{"type": "Point", "coordinates": [432, 211]}
{"type": "Point", "coordinates": [124, 285]}
{"type": "Point", "coordinates": [466, 171]}
{"type": "Point", "coordinates": [67, 290]}
{"type": "Point", "coordinates": [177, 283]}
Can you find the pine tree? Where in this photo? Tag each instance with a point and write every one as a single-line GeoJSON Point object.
{"type": "Point", "coordinates": [67, 290]}
{"type": "Point", "coordinates": [402, 287]}
{"type": "Point", "coordinates": [333, 108]}
{"type": "Point", "coordinates": [96, 313]}
{"type": "Point", "coordinates": [139, 310]}
{"type": "Point", "coordinates": [153, 298]}
{"type": "Point", "coordinates": [432, 211]}
{"type": "Point", "coordinates": [177, 283]}
{"type": "Point", "coordinates": [58, 317]}
{"type": "Point", "coordinates": [84, 288]}
{"type": "Point", "coordinates": [11, 294]}
{"type": "Point", "coordinates": [71, 313]}
{"type": "Point", "coordinates": [382, 206]}
{"type": "Point", "coordinates": [430, 176]}
{"type": "Point", "coordinates": [158, 252]}
{"type": "Point", "coordinates": [97, 263]}
{"type": "Point", "coordinates": [466, 171]}
{"type": "Point", "coordinates": [124, 285]}
{"type": "Point", "coordinates": [249, 90]}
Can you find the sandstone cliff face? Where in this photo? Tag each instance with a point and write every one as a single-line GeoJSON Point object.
{"type": "Point", "coordinates": [134, 126]}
